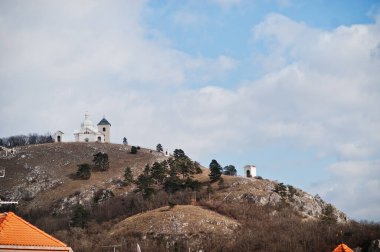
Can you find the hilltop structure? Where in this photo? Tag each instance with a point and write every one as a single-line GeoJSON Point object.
{"type": "Point", "coordinates": [58, 136]}
{"type": "Point", "coordinates": [89, 133]}
{"type": "Point", "coordinates": [250, 171]}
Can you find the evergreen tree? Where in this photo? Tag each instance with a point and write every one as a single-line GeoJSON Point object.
{"type": "Point", "coordinates": [184, 165]}
{"type": "Point", "coordinates": [215, 171]}
{"type": "Point", "coordinates": [159, 172]}
{"type": "Point", "coordinates": [178, 153]}
{"type": "Point", "coordinates": [80, 216]}
{"type": "Point", "coordinates": [145, 182]}
{"type": "Point", "coordinates": [198, 169]}
{"type": "Point", "coordinates": [101, 161]}
{"type": "Point", "coordinates": [230, 170]}
{"type": "Point", "coordinates": [128, 176]}
{"type": "Point", "coordinates": [173, 184]}
{"type": "Point", "coordinates": [84, 171]}
{"type": "Point", "coordinates": [159, 148]}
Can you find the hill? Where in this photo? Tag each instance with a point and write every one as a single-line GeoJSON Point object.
{"type": "Point", "coordinates": [39, 175]}
{"type": "Point", "coordinates": [188, 224]}
{"type": "Point", "coordinates": [103, 210]}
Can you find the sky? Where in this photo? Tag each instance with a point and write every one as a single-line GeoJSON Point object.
{"type": "Point", "coordinates": [290, 86]}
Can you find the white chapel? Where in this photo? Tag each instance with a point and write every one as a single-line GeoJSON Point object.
{"type": "Point", "coordinates": [89, 133]}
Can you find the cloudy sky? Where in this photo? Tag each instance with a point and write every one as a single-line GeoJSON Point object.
{"type": "Point", "coordinates": [290, 86]}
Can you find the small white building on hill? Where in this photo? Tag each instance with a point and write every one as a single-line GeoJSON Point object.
{"type": "Point", "coordinates": [58, 136]}
{"type": "Point", "coordinates": [250, 171]}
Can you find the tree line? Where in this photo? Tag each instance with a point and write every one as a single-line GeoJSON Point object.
{"type": "Point", "coordinates": [22, 140]}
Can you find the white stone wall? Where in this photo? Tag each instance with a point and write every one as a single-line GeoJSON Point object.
{"type": "Point", "coordinates": [107, 132]}
{"type": "Point", "coordinates": [81, 137]}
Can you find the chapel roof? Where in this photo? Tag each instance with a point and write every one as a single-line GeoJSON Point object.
{"type": "Point", "coordinates": [104, 122]}
{"type": "Point", "coordinates": [16, 231]}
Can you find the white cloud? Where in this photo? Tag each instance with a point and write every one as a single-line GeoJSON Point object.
{"type": "Point", "coordinates": [227, 3]}
{"type": "Point", "coordinates": [322, 93]}
{"type": "Point", "coordinates": [354, 187]}
{"type": "Point", "coordinates": [188, 18]}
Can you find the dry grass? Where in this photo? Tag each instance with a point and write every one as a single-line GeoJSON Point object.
{"type": "Point", "coordinates": [177, 220]}
{"type": "Point", "coordinates": [58, 162]}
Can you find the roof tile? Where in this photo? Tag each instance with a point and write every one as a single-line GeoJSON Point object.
{"type": "Point", "coordinates": [16, 231]}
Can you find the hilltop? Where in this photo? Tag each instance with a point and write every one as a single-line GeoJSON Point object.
{"type": "Point", "coordinates": [42, 178]}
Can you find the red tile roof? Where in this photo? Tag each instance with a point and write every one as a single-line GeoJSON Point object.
{"type": "Point", "coordinates": [342, 248]}
{"type": "Point", "coordinates": [16, 231]}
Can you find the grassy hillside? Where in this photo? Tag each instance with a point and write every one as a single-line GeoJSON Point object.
{"type": "Point", "coordinates": [38, 175]}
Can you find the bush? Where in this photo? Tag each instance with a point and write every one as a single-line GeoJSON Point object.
{"type": "Point", "coordinates": [328, 214]}
{"type": "Point", "coordinates": [101, 161]}
{"type": "Point", "coordinates": [229, 170]}
{"type": "Point", "coordinates": [84, 171]}
{"type": "Point", "coordinates": [281, 189]}
{"type": "Point", "coordinates": [133, 150]}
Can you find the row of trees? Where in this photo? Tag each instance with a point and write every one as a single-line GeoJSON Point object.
{"type": "Point", "coordinates": [134, 149]}
{"type": "Point", "coordinates": [216, 171]}
{"type": "Point", "coordinates": [172, 175]}
{"type": "Point", "coordinates": [21, 140]}
{"type": "Point", "coordinates": [158, 147]}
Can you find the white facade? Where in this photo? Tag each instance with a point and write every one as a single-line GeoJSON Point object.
{"type": "Point", "coordinates": [250, 171]}
{"type": "Point", "coordinates": [89, 133]}
{"type": "Point", "coordinates": [58, 136]}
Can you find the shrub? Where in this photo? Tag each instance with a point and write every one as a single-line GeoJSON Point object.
{"type": "Point", "coordinates": [133, 150]}
{"type": "Point", "coordinates": [101, 161]}
{"type": "Point", "coordinates": [281, 189]}
{"type": "Point", "coordinates": [84, 171]}
{"type": "Point", "coordinates": [229, 170]}
{"type": "Point", "coordinates": [328, 214]}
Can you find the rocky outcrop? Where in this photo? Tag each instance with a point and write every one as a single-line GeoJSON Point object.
{"type": "Point", "coordinates": [264, 192]}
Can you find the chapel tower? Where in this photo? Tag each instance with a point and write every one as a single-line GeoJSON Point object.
{"type": "Point", "coordinates": [104, 128]}
{"type": "Point", "coordinates": [250, 171]}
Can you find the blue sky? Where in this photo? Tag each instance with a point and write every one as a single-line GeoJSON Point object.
{"type": "Point", "coordinates": [290, 86]}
